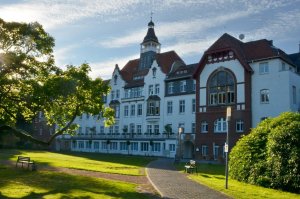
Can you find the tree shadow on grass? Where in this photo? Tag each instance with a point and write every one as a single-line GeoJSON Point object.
{"type": "Point", "coordinates": [140, 161]}
{"type": "Point", "coordinates": [59, 185]}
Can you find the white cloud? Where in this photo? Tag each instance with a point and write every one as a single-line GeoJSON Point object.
{"type": "Point", "coordinates": [184, 28]}
{"type": "Point", "coordinates": [62, 55]}
{"type": "Point", "coordinates": [105, 69]}
{"type": "Point", "coordinates": [54, 13]}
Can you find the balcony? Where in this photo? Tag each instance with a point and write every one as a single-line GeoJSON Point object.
{"type": "Point", "coordinates": [121, 136]}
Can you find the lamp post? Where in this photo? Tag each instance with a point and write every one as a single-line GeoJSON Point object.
{"type": "Point", "coordinates": [228, 117]}
{"type": "Point", "coordinates": [180, 130]}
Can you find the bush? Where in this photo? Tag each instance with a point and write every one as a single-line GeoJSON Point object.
{"type": "Point", "coordinates": [270, 155]}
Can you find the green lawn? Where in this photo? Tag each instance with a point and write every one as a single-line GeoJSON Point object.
{"type": "Point", "coordinates": [119, 164]}
{"type": "Point", "coordinates": [213, 176]}
{"type": "Point", "coordinates": [20, 183]}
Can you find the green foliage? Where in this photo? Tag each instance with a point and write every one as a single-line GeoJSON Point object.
{"type": "Point", "coordinates": [270, 155]}
{"type": "Point", "coordinates": [30, 83]}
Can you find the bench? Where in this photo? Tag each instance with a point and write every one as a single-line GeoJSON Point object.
{"type": "Point", "coordinates": [25, 161]}
{"type": "Point", "coordinates": [191, 166]}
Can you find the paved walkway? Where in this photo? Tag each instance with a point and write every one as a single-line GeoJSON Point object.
{"type": "Point", "coordinates": [172, 184]}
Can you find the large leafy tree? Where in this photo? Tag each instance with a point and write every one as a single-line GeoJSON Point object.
{"type": "Point", "coordinates": [31, 83]}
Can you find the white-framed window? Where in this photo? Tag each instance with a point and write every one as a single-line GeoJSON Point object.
{"type": "Point", "coordinates": [117, 110]}
{"type": "Point", "coordinates": [116, 129]}
{"type": "Point", "coordinates": [115, 79]}
{"type": "Point", "coordinates": [172, 147]}
{"type": "Point", "coordinates": [112, 95]}
{"type": "Point", "coordinates": [80, 130]}
{"type": "Point", "coordinates": [193, 105]}
{"type": "Point", "coordinates": [263, 68]}
{"type": "Point", "coordinates": [264, 96]}
{"type": "Point", "coordinates": [140, 110]}
{"type": "Point", "coordinates": [204, 150]}
{"type": "Point", "coordinates": [113, 145]}
{"type": "Point", "coordinates": [123, 146]}
{"type": "Point", "coordinates": [150, 89]}
{"type": "Point", "coordinates": [153, 107]}
{"type": "Point", "coordinates": [193, 127]}
{"type": "Point", "coordinates": [96, 145]}
{"type": "Point", "coordinates": [194, 85]}
{"type": "Point", "coordinates": [239, 126]}
{"type": "Point", "coordinates": [204, 127]}
{"type": "Point", "coordinates": [134, 146]}
{"type": "Point", "coordinates": [216, 152]}
{"type": "Point", "coordinates": [131, 128]}
{"type": "Point", "coordinates": [104, 145]}
{"type": "Point", "coordinates": [80, 144]}
{"type": "Point", "coordinates": [283, 67]}
{"type": "Point", "coordinates": [169, 107]}
{"type": "Point", "coordinates": [182, 86]}
{"type": "Point", "coordinates": [117, 94]}
{"type": "Point", "coordinates": [156, 147]}
{"type": "Point", "coordinates": [132, 112]}
{"type": "Point", "coordinates": [111, 130]}
{"type": "Point", "coordinates": [126, 111]}
{"type": "Point", "coordinates": [157, 89]}
{"type": "Point", "coordinates": [181, 106]}
{"type": "Point", "coordinates": [170, 87]}
{"type": "Point", "coordinates": [87, 130]}
{"type": "Point", "coordinates": [139, 129]}
{"type": "Point", "coordinates": [149, 129]}
{"type": "Point", "coordinates": [88, 144]}
{"type": "Point", "coordinates": [220, 125]}
{"type": "Point", "coordinates": [101, 129]}
{"type": "Point", "coordinates": [156, 129]}
{"type": "Point", "coordinates": [294, 93]}
{"type": "Point", "coordinates": [74, 144]}
{"type": "Point", "coordinates": [144, 146]}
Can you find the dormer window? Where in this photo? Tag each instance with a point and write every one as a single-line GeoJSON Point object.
{"type": "Point", "coordinates": [154, 72]}
{"type": "Point", "coordinates": [115, 79]}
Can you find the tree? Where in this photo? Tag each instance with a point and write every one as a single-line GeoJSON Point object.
{"type": "Point", "coordinates": [30, 83]}
{"type": "Point", "coordinates": [168, 130]}
{"type": "Point", "coordinates": [270, 155]}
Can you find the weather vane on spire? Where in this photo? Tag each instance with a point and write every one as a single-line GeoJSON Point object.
{"type": "Point", "coordinates": [151, 14]}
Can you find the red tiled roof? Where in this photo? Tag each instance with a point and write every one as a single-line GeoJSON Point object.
{"type": "Point", "coordinates": [245, 52]}
{"type": "Point", "coordinates": [164, 60]}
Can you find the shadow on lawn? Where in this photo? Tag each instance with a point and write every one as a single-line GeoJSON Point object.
{"type": "Point", "coordinates": [140, 161]}
{"type": "Point", "coordinates": [61, 185]}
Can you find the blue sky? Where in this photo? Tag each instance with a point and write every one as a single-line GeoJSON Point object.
{"type": "Point", "coordinates": [108, 32]}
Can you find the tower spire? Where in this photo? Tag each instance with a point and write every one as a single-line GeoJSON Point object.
{"type": "Point", "coordinates": [151, 15]}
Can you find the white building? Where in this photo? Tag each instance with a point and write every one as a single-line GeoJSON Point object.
{"type": "Point", "coordinates": [155, 95]}
{"type": "Point", "coordinates": [147, 94]}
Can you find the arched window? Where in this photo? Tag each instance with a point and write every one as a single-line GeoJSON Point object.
{"type": "Point", "coordinates": [221, 88]}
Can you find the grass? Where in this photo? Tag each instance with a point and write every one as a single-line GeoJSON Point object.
{"type": "Point", "coordinates": [19, 183]}
{"type": "Point", "coordinates": [118, 164]}
{"type": "Point", "coordinates": [213, 176]}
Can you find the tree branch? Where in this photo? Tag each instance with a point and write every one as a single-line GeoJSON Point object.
{"type": "Point", "coordinates": [60, 132]}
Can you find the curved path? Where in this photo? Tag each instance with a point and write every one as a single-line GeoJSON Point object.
{"type": "Point", "coordinates": [172, 184]}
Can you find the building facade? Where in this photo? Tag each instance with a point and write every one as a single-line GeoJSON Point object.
{"type": "Point", "coordinates": [153, 97]}
{"type": "Point", "coordinates": [256, 79]}
{"type": "Point", "coordinates": [164, 107]}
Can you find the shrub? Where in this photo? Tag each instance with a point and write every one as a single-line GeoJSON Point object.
{"type": "Point", "coordinates": [270, 155]}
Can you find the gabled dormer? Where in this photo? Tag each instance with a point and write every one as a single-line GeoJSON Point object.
{"type": "Point", "coordinates": [149, 48]}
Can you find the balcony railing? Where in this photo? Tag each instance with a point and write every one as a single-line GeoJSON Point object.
{"type": "Point", "coordinates": [125, 136]}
